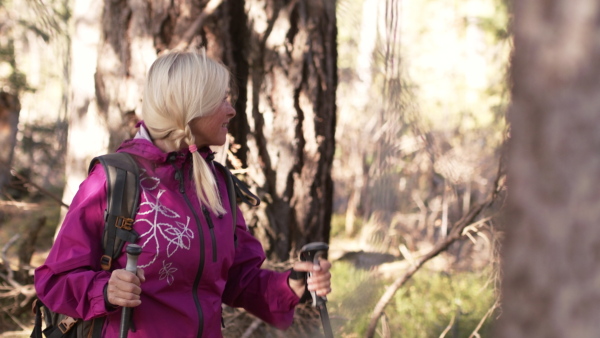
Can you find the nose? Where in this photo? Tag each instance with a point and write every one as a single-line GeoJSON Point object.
{"type": "Point", "coordinates": [230, 110]}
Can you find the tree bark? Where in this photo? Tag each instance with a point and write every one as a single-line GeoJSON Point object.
{"type": "Point", "coordinates": [552, 248]}
{"type": "Point", "coordinates": [291, 115]}
{"type": "Point", "coordinates": [9, 120]}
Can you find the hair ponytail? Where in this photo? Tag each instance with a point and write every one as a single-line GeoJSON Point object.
{"type": "Point", "coordinates": [180, 87]}
{"type": "Point", "coordinates": [206, 185]}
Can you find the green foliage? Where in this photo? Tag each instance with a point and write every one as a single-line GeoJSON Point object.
{"type": "Point", "coordinates": [338, 225]}
{"type": "Point", "coordinates": [338, 222]}
{"type": "Point", "coordinates": [426, 306]}
{"type": "Point", "coordinates": [355, 294]}
{"type": "Point", "coordinates": [433, 301]}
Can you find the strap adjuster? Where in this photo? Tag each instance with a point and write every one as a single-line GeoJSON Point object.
{"type": "Point", "coordinates": [105, 262]}
{"type": "Point", "coordinates": [124, 223]}
{"type": "Point", "coordinates": [66, 324]}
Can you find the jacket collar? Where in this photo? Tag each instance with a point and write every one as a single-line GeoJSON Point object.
{"type": "Point", "coordinates": [143, 146]}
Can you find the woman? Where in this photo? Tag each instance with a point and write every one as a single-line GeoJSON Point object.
{"type": "Point", "coordinates": [189, 264]}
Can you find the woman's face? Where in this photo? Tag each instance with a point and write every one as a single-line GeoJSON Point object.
{"type": "Point", "coordinates": [212, 130]}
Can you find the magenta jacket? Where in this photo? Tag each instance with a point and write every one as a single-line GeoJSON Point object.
{"type": "Point", "coordinates": [189, 258]}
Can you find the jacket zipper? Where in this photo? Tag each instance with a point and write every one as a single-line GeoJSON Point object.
{"type": "Point", "coordinates": [211, 227]}
{"type": "Point", "coordinates": [179, 177]}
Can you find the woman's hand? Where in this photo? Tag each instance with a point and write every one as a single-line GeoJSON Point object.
{"type": "Point", "coordinates": [320, 281]}
{"type": "Point", "coordinates": [124, 288]}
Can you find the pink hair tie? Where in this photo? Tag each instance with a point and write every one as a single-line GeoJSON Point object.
{"type": "Point", "coordinates": [193, 148]}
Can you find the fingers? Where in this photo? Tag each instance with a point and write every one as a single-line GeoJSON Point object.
{"type": "Point", "coordinates": [324, 265]}
{"type": "Point", "coordinates": [141, 276]}
{"type": "Point", "coordinates": [124, 288]}
{"type": "Point", "coordinates": [320, 282]}
{"type": "Point", "coordinates": [320, 279]}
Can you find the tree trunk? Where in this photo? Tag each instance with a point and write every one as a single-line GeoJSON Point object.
{"type": "Point", "coordinates": [283, 56]}
{"type": "Point", "coordinates": [88, 134]}
{"type": "Point", "coordinates": [9, 120]}
{"type": "Point", "coordinates": [551, 252]}
{"type": "Point", "coordinates": [291, 115]}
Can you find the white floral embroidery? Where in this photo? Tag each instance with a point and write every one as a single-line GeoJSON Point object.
{"type": "Point", "coordinates": [181, 238]}
{"type": "Point", "coordinates": [147, 182]}
{"type": "Point", "coordinates": [167, 272]}
{"type": "Point", "coordinates": [175, 232]}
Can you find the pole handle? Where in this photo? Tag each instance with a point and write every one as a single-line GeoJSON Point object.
{"type": "Point", "coordinates": [311, 252]}
{"type": "Point", "coordinates": [133, 251]}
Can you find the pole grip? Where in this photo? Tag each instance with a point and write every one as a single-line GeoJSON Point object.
{"type": "Point", "coordinates": [311, 252]}
{"type": "Point", "coordinates": [133, 251]}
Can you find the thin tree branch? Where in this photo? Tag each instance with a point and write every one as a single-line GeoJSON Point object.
{"type": "Point", "coordinates": [27, 290]}
{"type": "Point", "coordinates": [9, 278]}
{"type": "Point", "coordinates": [487, 314]}
{"type": "Point", "coordinates": [187, 37]}
{"type": "Point", "coordinates": [449, 327]}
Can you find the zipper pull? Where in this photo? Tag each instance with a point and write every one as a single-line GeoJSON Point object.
{"type": "Point", "coordinates": [207, 216]}
{"type": "Point", "coordinates": [179, 178]}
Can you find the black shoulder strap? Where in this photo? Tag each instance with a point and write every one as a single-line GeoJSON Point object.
{"type": "Point", "coordinates": [122, 183]}
{"type": "Point", "coordinates": [237, 193]}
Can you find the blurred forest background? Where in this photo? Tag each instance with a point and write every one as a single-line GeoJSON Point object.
{"type": "Point", "coordinates": [416, 148]}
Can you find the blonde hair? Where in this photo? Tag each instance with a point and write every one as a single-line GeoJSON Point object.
{"type": "Point", "coordinates": [180, 87]}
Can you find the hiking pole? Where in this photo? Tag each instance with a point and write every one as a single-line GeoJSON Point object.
{"type": "Point", "coordinates": [311, 253]}
{"type": "Point", "coordinates": [133, 251]}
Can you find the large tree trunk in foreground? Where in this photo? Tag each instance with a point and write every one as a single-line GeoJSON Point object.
{"type": "Point", "coordinates": [283, 56]}
{"type": "Point", "coordinates": [551, 254]}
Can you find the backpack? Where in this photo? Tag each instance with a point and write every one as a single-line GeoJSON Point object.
{"type": "Point", "coordinates": [123, 182]}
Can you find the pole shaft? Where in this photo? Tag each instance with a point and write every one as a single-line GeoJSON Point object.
{"type": "Point", "coordinates": [325, 321]}
{"type": "Point", "coordinates": [133, 251]}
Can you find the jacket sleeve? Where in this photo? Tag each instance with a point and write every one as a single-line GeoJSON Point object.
{"type": "Point", "coordinates": [264, 293]}
{"type": "Point", "coordinates": [71, 280]}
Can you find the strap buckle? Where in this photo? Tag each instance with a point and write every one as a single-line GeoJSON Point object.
{"type": "Point", "coordinates": [105, 262]}
{"type": "Point", "coordinates": [66, 324]}
{"type": "Point", "coordinates": [124, 223]}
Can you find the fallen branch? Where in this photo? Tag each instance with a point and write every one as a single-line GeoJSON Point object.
{"type": "Point", "coordinates": [27, 290]}
{"type": "Point", "coordinates": [12, 334]}
{"type": "Point", "coordinates": [5, 262]}
{"type": "Point", "coordinates": [454, 235]}
{"type": "Point", "coordinates": [18, 322]}
{"type": "Point", "coordinates": [255, 324]}
{"type": "Point", "coordinates": [28, 182]}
